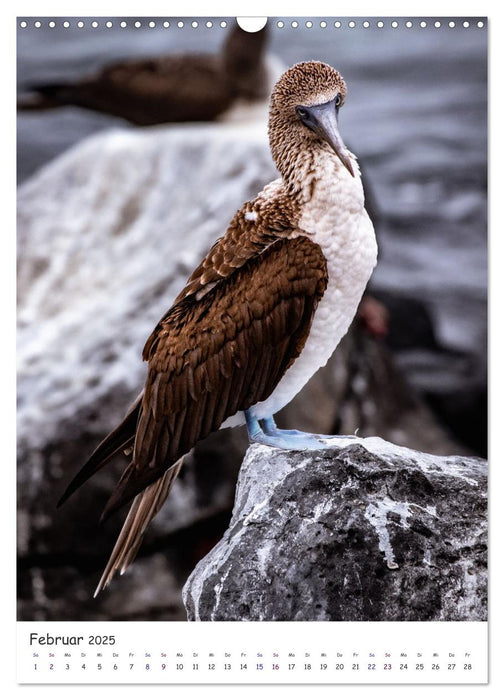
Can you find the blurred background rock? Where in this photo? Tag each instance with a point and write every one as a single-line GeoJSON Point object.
{"type": "Point", "coordinates": [110, 229]}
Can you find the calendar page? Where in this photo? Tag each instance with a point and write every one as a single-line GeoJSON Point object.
{"type": "Point", "coordinates": [252, 429]}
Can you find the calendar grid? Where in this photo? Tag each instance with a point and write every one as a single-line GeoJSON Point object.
{"type": "Point", "coordinates": [264, 652]}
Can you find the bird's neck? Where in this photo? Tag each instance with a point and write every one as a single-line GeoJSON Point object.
{"type": "Point", "coordinates": [321, 165]}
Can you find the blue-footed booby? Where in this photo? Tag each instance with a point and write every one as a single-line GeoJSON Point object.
{"type": "Point", "coordinates": [257, 318]}
{"type": "Point", "coordinates": [174, 88]}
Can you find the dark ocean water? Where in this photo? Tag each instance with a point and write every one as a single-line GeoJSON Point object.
{"type": "Point", "coordinates": [416, 116]}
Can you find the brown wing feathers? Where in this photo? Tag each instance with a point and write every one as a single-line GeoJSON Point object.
{"type": "Point", "coordinates": [223, 353]}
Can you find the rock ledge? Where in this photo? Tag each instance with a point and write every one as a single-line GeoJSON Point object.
{"type": "Point", "coordinates": [364, 530]}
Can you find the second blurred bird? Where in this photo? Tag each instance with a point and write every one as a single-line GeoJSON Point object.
{"type": "Point", "coordinates": [176, 88]}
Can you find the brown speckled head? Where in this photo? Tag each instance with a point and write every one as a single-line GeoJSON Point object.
{"type": "Point", "coordinates": [307, 83]}
{"type": "Point", "coordinates": [304, 85]}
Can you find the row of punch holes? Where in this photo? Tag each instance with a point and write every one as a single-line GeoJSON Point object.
{"type": "Point", "coordinates": [295, 24]}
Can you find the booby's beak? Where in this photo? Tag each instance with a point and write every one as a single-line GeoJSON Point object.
{"type": "Point", "coordinates": [323, 120]}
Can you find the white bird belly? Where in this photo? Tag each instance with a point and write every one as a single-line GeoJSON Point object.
{"type": "Point", "coordinates": [334, 218]}
{"type": "Point", "coordinates": [348, 277]}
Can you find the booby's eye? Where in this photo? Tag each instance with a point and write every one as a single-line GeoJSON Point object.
{"type": "Point", "coordinates": [301, 112]}
{"type": "Point", "coordinates": [337, 101]}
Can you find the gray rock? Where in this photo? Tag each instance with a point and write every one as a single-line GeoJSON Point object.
{"type": "Point", "coordinates": [364, 530]}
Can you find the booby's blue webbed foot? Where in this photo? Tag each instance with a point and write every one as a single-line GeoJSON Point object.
{"type": "Point", "coordinates": [283, 439]}
{"type": "Point", "coordinates": [270, 428]}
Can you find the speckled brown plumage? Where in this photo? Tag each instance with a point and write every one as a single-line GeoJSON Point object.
{"type": "Point", "coordinates": [188, 87]}
{"type": "Point", "coordinates": [274, 216]}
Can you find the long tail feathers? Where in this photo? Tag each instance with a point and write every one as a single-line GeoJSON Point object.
{"type": "Point", "coordinates": [121, 438]}
{"type": "Point", "coordinates": [144, 508]}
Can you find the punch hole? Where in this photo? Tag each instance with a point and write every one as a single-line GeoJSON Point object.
{"type": "Point", "coordinates": [351, 24]}
{"type": "Point", "coordinates": [280, 24]}
{"type": "Point", "coordinates": [223, 24]}
{"type": "Point", "coordinates": [409, 24]}
{"type": "Point", "coordinates": [395, 24]}
{"type": "Point", "coordinates": [323, 24]}
{"type": "Point", "coordinates": [365, 24]}
{"type": "Point", "coordinates": [251, 24]}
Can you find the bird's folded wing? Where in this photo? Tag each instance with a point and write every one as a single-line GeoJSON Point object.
{"type": "Point", "coordinates": [220, 349]}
